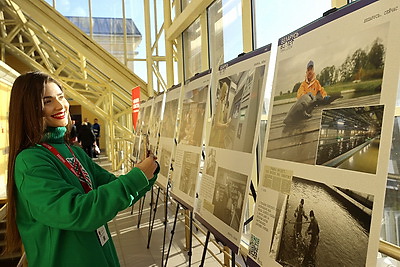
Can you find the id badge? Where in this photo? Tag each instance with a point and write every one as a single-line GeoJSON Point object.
{"type": "Point", "coordinates": [102, 235]}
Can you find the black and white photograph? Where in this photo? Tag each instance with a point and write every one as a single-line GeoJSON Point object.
{"type": "Point", "coordinates": [325, 225]}
{"type": "Point", "coordinates": [347, 71]}
{"type": "Point", "coordinates": [144, 147]}
{"type": "Point", "coordinates": [146, 118]}
{"type": "Point", "coordinates": [236, 110]}
{"type": "Point", "coordinates": [169, 121]}
{"type": "Point", "coordinates": [193, 112]}
{"type": "Point", "coordinates": [136, 146]}
{"type": "Point", "coordinates": [165, 161]}
{"type": "Point", "coordinates": [189, 173]}
{"type": "Point", "coordinates": [155, 119]}
{"type": "Point", "coordinates": [349, 138]}
{"type": "Point", "coordinates": [140, 118]}
{"type": "Point", "coordinates": [211, 162]}
{"type": "Point", "coordinates": [228, 200]}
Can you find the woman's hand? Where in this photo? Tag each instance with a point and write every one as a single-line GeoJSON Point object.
{"type": "Point", "coordinates": [148, 166]}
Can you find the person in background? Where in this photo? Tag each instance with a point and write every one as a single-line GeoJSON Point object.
{"type": "Point", "coordinates": [86, 122]}
{"type": "Point", "coordinates": [59, 200]}
{"type": "Point", "coordinates": [96, 131]}
{"type": "Point", "coordinates": [73, 135]}
{"type": "Point", "coordinates": [87, 138]}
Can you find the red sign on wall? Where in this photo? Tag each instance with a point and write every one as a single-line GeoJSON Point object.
{"type": "Point", "coordinates": [135, 105]}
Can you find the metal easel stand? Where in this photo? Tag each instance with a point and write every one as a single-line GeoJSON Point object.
{"type": "Point", "coordinates": [141, 206]}
{"type": "Point", "coordinates": [165, 223]}
{"type": "Point", "coordinates": [172, 234]}
{"type": "Point", "coordinates": [152, 218]}
{"type": "Point", "coordinates": [178, 205]}
{"type": "Point", "coordinates": [233, 255]}
{"type": "Point", "coordinates": [203, 256]}
{"type": "Point", "coordinates": [226, 254]}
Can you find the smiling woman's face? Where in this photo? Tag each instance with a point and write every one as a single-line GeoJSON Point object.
{"type": "Point", "coordinates": [55, 106]}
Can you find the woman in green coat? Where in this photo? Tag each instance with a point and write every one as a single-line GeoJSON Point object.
{"type": "Point", "coordinates": [59, 200]}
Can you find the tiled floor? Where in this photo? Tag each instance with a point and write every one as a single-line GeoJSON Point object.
{"type": "Point", "coordinates": [131, 240]}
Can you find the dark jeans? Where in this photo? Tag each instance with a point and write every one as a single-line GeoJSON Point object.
{"type": "Point", "coordinates": [88, 149]}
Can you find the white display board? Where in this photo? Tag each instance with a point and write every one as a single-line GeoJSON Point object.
{"type": "Point", "coordinates": [166, 146]}
{"type": "Point", "coordinates": [329, 155]}
{"type": "Point", "coordinates": [147, 116]}
{"type": "Point", "coordinates": [190, 139]}
{"type": "Point", "coordinates": [238, 94]}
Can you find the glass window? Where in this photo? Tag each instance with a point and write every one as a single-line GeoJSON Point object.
{"type": "Point", "coordinates": [108, 28]}
{"type": "Point", "coordinates": [391, 215]}
{"type": "Point", "coordinates": [185, 3]}
{"type": "Point", "coordinates": [192, 49]}
{"type": "Point", "coordinates": [77, 11]}
{"type": "Point", "coordinates": [157, 85]}
{"type": "Point", "coordinates": [134, 10]}
{"type": "Point", "coordinates": [225, 31]}
{"type": "Point", "coordinates": [157, 8]}
{"type": "Point", "coordinates": [50, 2]}
{"type": "Point", "coordinates": [73, 8]}
{"type": "Point", "coordinates": [273, 19]}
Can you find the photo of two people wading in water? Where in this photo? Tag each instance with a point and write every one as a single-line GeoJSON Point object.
{"type": "Point", "coordinates": [323, 227]}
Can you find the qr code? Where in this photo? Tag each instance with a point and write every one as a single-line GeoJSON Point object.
{"type": "Point", "coordinates": [253, 248]}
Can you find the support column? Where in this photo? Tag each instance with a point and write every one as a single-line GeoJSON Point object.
{"type": "Point", "coordinates": [247, 23]}
{"type": "Point", "coordinates": [149, 56]}
{"type": "Point", "coordinates": [169, 58]}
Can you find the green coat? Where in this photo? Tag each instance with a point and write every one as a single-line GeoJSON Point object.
{"type": "Point", "coordinates": [57, 220]}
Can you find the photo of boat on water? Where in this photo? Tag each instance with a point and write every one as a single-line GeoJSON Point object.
{"type": "Point", "coordinates": [324, 226]}
{"type": "Point", "coordinates": [344, 73]}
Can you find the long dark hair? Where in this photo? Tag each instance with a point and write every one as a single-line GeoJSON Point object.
{"type": "Point", "coordinates": [26, 128]}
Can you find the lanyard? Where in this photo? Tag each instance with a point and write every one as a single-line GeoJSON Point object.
{"type": "Point", "coordinates": [83, 178]}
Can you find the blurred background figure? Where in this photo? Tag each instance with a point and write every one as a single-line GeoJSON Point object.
{"type": "Point", "coordinates": [87, 138]}
{"type": "Point", "coordinates": [96, 131]}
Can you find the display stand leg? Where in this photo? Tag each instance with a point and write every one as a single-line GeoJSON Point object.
{"type": "Point", "coordinates": [190, 237]}
{"type": "Point", "coordinates": [141, 205]}
{"type": "Point", "coordinates": [151, 204]}
{"type": "Point", "coordinates": [253, 191]}
{"type": "Point", "coordinates": [232, 258]}
{"type": "Point", "coordinates": [132, 209]}
{"type": "Point", "coordinates": [165, 223]}
{"type": "Point", "coordinates": [203, 257]}
{"type": "Point", "coordinates": [248, 220]}
{"type": "Point", "coordinates": [244, 260]}
{"type": "Point", "coordinates": [172, 233]}
{"type": "Point", "coordinates": [151, 219]}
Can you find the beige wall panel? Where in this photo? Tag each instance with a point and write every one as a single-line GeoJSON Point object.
{"type": "Point", "coordinates": [4, 102]}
